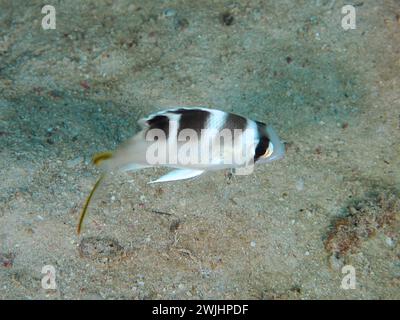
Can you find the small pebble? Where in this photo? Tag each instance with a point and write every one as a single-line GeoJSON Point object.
{"type": "Point", "coordinates": [389, 241]}
{"type": "Point", "coordinates": [300, 184]}
{"type": "Point", "coordinates": [253, 244]}
{"type": "Point", "coordinates": [169, 12]}
{"type": "Point", "coordinates": [227, 18]}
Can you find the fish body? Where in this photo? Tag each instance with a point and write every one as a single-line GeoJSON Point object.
{"type": "Point", "coordinates": [197, 139]}
{"type": "Point", "coordinates": [192, 141]}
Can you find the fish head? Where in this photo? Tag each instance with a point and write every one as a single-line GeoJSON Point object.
{"type": "Point", "coordinates": [270, 147]}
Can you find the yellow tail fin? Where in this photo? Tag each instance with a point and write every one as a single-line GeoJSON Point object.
{"type": "Point", "coordinates": [100, 157]}
{"type": "Point", "coordinates": [87, 203]}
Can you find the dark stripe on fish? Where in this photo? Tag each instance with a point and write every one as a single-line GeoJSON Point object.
{"type": "Point", "coordinates": [234, 121]}
{"type": "Point", "coordinates": [263, 141]}
{"type": "Point", "coordinates": [195, 119]}
{"type": "Point", "coordinates": [159, 122]}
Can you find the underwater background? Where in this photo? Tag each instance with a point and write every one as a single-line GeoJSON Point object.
{"type": "Point", "coordinates": [284, 232]}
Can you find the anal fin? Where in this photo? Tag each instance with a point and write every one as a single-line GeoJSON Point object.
{"type": "Point", "coordinates": [179, 174]}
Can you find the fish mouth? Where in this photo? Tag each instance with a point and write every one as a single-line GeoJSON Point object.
{"type": "Point", "coordinates": [278, 148]}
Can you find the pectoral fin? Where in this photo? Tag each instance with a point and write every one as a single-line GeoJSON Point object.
{"type": "Point", "coordinates": [179, 174]}
{"type": "Point", "coordinates": [100, 157]}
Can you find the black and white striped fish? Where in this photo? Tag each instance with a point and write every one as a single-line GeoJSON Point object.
{"type": "Point", "coordinates": [192, 141]}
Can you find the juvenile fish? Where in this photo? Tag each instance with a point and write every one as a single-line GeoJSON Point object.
{"type": "Point", "coordinates": [192, 141]}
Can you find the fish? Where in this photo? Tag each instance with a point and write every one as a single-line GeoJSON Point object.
{"type": "Point", "coordinates": [191, 141]}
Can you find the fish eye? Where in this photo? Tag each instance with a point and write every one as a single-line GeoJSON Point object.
{"type": "Point", "coordinates": [269, 151]}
